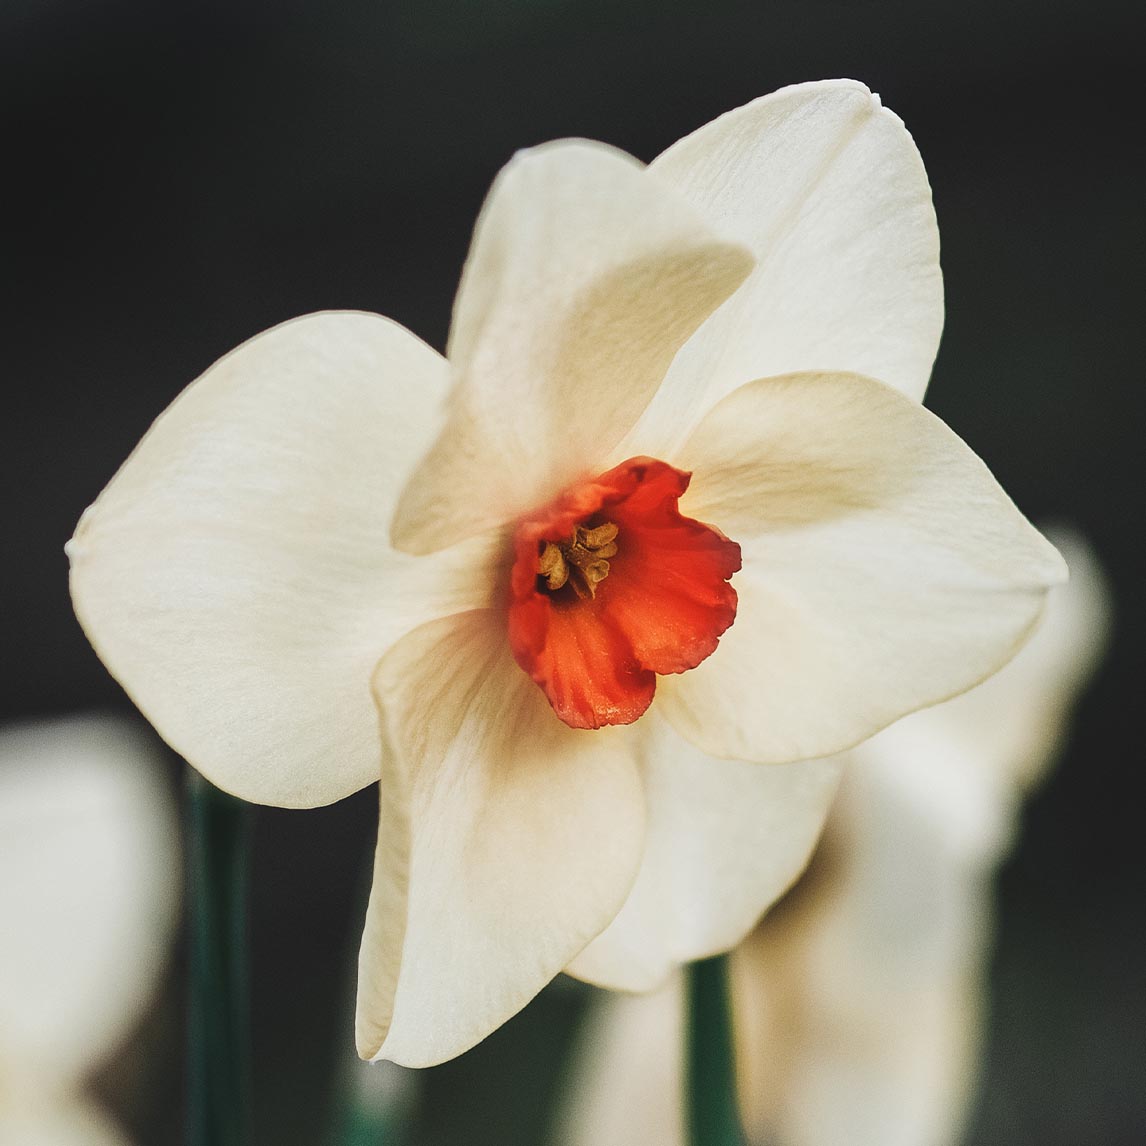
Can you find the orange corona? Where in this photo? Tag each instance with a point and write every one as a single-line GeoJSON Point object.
{"type": "Point", "coordinates": [611, 586]}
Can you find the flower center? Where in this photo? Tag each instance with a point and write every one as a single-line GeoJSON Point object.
{"type": "Point", "coordinates": [612, 586]}
{"type": "Point", "coordinates": [582, 561]}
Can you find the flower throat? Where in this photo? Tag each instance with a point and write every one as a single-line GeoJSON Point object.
{"type": "Point", "coordinates": [582, 562]}
{"type": "Point", "coordinates": [612, 586]}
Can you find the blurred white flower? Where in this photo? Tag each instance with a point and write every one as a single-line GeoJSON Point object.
{"type": "Point", "coordinates": [858, 1001]}
{"type": "Point", "coordinates": [339, 553]}
{"type": "Point", "coordinates": [89, 887]}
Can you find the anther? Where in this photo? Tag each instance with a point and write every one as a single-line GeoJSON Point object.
{"type": "Point", "coordinates": [582, 561]}
{"type": "Point", "coordinates": [551, 565]}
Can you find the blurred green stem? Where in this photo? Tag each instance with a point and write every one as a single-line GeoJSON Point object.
{"type": "Point", "coordinates": [711, 1077]}
{"type": "Point", "coordinates": [366, 1127]}
{"type": "Point", "coordinates": [218, 840]}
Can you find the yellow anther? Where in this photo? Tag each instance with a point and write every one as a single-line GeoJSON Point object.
{"type": "Point", "coordinates": [582, 561]}
{"type": "Point", "coordinates": [598, 537]}
{"type": "Point", "coordinates": [551, 565]}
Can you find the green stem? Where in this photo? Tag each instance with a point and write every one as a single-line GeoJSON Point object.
{"type": "Point", "coordinates": [218, 840]}
{"type": "Point", "coordinates": [711, 1077]}
{"type": "Point", "coordinates": [368, 1128]}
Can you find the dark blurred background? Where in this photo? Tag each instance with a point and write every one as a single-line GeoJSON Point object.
{"type": "Point", "coordinates": [182, 175]}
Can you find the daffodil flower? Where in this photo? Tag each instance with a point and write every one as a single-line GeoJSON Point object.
{"type": "Point", "coordinates": [668, 510]}
{"type": "Point", "coordinates": [858, 1002]}
{"type": "Point", "coordinates": [89, 878]}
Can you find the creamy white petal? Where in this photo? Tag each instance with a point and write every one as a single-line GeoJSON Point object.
{"type": "Point", "coordinates": [236, 575]}
{"type": "Point", "coordinates": [584, 278]}
{"type": "Point", "coordinates": [857, 1005]}
{"type": "Point", "coordinates": [71, 1122]}
{"type": "Point", "coordinates": [858, 1000]}
{"type": "Point", "coordinates": [89, 884]}
{"type": "Point", "coordinates": [884, 568]}
{"type": "Point", "coordinates": [625, 1078]}
{"type": "Point", "coordinates": [524, 839]}
{"type": "Point", "coordinates": [870, 992]}
{"type": "Point", "coordinates": [816, 1069]}
{"type": "Point", "coordinates": [904, 1081]}
{"type": "Point", "coordinates": [999, 738]}
{"type": "Point", "coordinates": [815, 1066]}
{"type": "Point", "coordinates": [724, 840]}
{"type": "Point", "coordinates": [826, 188]}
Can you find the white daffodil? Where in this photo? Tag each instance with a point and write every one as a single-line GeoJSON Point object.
{"type": "Point", "coordinates": [858, 1003]}
{"type": "Point", "coordinates": [89, 884]}
{"type": "Point", "coordinates": [339, 554]}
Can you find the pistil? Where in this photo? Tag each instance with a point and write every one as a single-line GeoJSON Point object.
{"type": "Point", "coordinates": [582, 561]}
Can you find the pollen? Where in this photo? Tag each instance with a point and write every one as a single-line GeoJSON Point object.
{"type": "Point", "coordinates": [581, 562]}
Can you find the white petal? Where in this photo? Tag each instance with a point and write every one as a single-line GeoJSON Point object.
{"type": "Point", "coordinates": [857, 1002]}
{"type": "Point", "coordinates": [71, 1122]}
{"type": "Point", "coordinates": [236, 575]}
{"type": "Point", "coordinates": [867, 1000]}
{"type": "Point", "coordinates": [997, 739]}
{"type": "Point", "coordinates": [815, 1068]}
{"type": "Point", "coordinates": [857, 1005]}
{"type": "Point", "coordinates": [960, 768]}
{"type": "Point", "coordinates": [584, 278]}
{"type": "Point", "coordinates": [625, 1083]}
{"type": "Point", "coordinates": [724, 840]}
{"type": "Point", "coordinates": [826, 188]}
{"type": "Point", "coordinates": [89, 884]}
{"type": "Point", "coordinates": [524, 839]}
{"type": "Point", "coordinates": [884, 569]}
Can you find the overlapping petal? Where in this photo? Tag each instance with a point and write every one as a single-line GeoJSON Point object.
{"type": "Point", "coordinates": [236, 575]}
{"type": "Point", "coordinates": [1002, 737]}
{"type": "Point", "coordinates": [724, 840]}
{"type": "Point", "coordinates": [316, 537]}
{"type": "Point", "coordinates": [584, 278]}
{"type": "Point", "coordinates": [826, 188]}
{"type": "Point", "coordinates": [887, 958]}
{"type": "Point", "coordinates": [884, 568]}
{"type": "Point", "coordinates": [507, 841]}
{"type": "Point", "coordinates": [858, 1001]}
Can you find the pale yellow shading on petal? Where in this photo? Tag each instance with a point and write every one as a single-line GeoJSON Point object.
{"type": "Point", "coordinates": [584, 277]}
{"type": "Point", "coordinates": [725, 839]}
{"type": "Point", "coordinates": [826, 188]}
{"type": "Point", "coordinates": [236, 575]}
{"type": "Point", "coordinates": [507, 841]}
{"type": "Point", "coordinates": [884, 568]}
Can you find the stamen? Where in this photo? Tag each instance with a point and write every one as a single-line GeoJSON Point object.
{"type": "Point", "coordinates": [599, 537]}
{"type": "Point", "coordinates": [597, 655]}
{"type": "Point", "coordinates": [582, 561]}
{"type": "Point", "coordinates": [551, 565]}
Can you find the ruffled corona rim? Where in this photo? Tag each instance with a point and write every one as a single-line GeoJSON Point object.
{"type": "Point", "coordinates": [595, 624]}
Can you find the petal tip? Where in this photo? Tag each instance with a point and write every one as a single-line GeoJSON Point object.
{"type": "Point", "coordinates": [1051, 566]}
{"type": "Point", "coordinates": [366, 1049]}
{"type": "Point", "coordinates": [1060, 568]}
{"type": "Point", "coordinates": [558, 148]}
{"type": "Point", "coordinates": [74, 548]}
